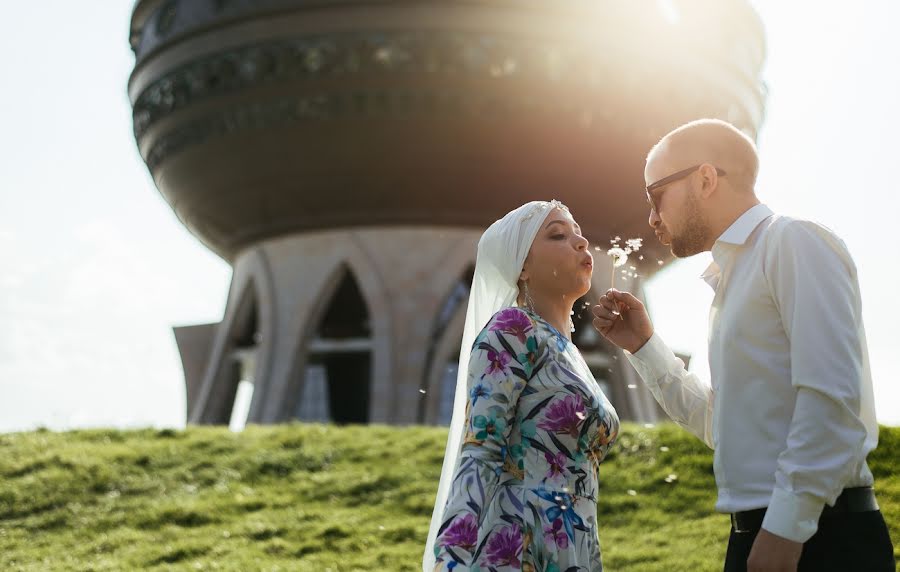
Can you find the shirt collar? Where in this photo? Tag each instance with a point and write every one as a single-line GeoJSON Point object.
{"type": "Point", "coordinates": [740, 230]}
{"type": "Point", "coordinates": [735, 235]}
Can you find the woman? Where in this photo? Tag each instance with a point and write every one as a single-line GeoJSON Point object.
{"type": "Point", "coordinates": [530, 425]}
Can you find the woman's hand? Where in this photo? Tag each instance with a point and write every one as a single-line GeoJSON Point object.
{"type": "Point", "coordinates": [623, 320]}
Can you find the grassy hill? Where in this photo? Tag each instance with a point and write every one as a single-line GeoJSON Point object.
{"type": "Point", "coordinates": [324, 498]}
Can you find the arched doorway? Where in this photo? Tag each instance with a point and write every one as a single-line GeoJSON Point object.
{"type": "Point", "coordinates": [337, 384]}
{"type": "Point", "coordinates": [443, 351]}
{"type": "Point", "coordinates": [240, 360]}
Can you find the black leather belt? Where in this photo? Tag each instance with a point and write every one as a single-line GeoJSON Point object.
{"type": "Point", "coordinates": [857, 499]}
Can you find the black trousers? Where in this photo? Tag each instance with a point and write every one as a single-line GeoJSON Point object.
{"type": "Point", "coordinates": [845, 542]}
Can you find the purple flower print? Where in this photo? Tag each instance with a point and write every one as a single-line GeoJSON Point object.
{"type": "Point", "coordinates": [504, 547]}
{"type": "Point", "coordinates": [557, 464]}
{"type": "Point", "coordinates": [498, 362]}
{"type": "Point", "coordinates": [564, 416]}
{"type": "Point", "coordinates": [556, 535]}
{"type": "Point", "coordinates": [463, 532]}
{"type": "Point", "coordinates": [512, 321]}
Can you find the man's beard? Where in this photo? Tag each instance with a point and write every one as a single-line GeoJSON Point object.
{"type": "Point", "coordinates": [693, 238]}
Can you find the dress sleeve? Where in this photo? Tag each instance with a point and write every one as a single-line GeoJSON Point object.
{"type": "Point", "coordinates": [504, 357]}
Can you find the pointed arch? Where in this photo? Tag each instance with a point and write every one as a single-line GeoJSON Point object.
{"type": "Point", "coordinates": [341, 345]}
{"type": "Point", "coordinates": [250, 303]}
{"type": "Point", "coordinates": [439, 375]}
{"type": "Point", "coordinates": [241, 335]}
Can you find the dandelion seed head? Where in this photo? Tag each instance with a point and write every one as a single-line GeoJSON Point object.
{"type": "Point", "coordinates": [620, 257]}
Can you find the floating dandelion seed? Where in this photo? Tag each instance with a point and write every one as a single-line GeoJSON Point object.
{"type": "Point", "coordinates": [660, 262]}
{"type": "Point", "coordinates": [422, 391]}
{"type": "Point", "coordinates": [632, 492]}
{"type": "Point", "coordinates": [664, 449]}
{"type": "Point", "coordinates": [632, 386]}
{"type": "Point", "coordinates": [672, 478]}
{"type": "Point", "coordinates": [641, 257]}
{"type": "Point", "coordinates": [634, 244]}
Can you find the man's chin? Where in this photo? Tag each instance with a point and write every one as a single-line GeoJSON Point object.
{"type": "Point", "coordinates": [679, 251]}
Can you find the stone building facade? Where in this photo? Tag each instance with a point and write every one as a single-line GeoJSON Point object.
{"type": "Point", "coordinates": [344, 157]}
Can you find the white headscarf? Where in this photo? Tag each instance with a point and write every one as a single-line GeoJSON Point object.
{"type": "Point", "coordinates": [501, 254]}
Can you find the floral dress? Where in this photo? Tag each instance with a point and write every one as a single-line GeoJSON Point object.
{"type": "Point", "coordinates": [524, 496]}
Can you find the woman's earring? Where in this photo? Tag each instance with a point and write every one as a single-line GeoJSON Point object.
{"type": "Point", "coordinates": [529, 303]}
{"type": "Point", "coordinates": [571, 323]}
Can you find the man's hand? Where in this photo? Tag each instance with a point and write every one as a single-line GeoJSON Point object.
{"type": "Point", "coordinates": [772, 553]}
{"type": "Point", "coordinates": [623, 320]}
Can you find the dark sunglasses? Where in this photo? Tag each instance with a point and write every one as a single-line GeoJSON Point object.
{"type": "Point", "coordinates": [671, 179]}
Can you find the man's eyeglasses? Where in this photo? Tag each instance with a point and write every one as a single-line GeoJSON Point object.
{"type": "Point", "coordinates": [671, 179]}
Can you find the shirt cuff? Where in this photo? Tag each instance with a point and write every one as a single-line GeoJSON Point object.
{"type": "Point", "coordinates": [652, 360]}
{"type": "Point", "coordinates": [793, 516]}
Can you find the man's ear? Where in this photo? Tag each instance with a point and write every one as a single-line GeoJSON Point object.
{"type": "Point", "coordinates": [709, 180]}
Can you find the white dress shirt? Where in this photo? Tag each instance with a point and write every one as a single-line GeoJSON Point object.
{"type": "Point", "coordinates": [790, 412]}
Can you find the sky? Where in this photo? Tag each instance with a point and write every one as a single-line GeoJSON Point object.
{"type": "Point", "coordinates": [95, 269]}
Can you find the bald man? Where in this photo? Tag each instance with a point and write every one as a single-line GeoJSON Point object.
{"type": "Point", "coordinates": [789, 411]}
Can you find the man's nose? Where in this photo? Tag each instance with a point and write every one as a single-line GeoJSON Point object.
{"type": "Point", "coordinates": [654, 219]}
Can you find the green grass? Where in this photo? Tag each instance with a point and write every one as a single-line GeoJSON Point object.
{"type": "Point", "coordinates": [315, 497]}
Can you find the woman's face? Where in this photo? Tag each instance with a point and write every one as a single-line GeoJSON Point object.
{"type": "Point", "coordinates": [559, 262]}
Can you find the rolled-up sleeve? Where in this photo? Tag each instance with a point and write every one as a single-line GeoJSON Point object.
{"type": "Point", "coordinates": [814, 284]}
